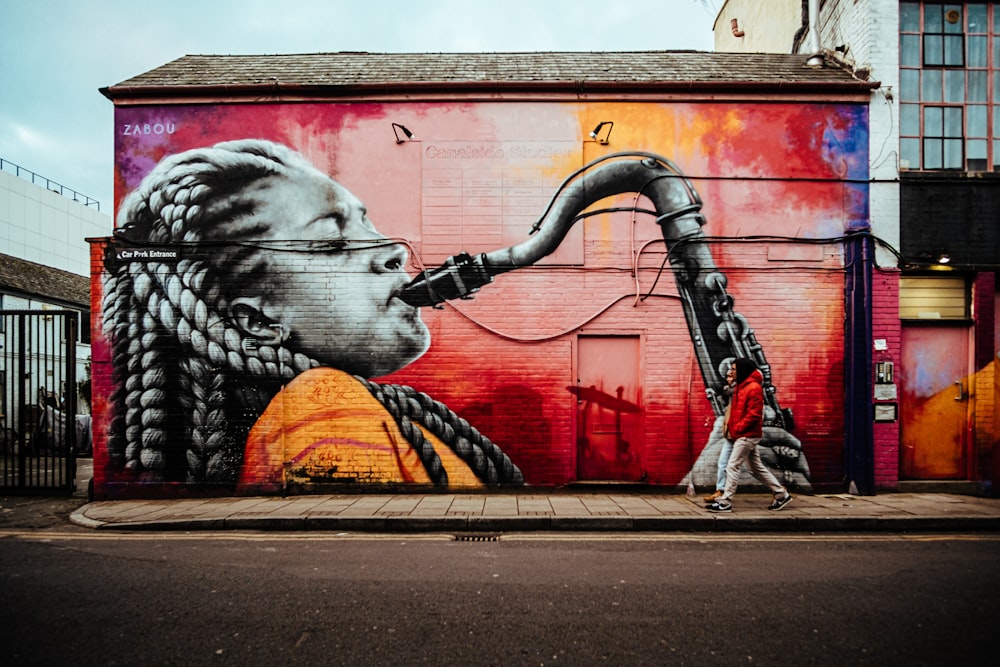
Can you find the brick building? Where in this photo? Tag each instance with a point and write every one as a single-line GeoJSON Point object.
{"type": "Point", "coordinates": [933, 156]}
{"type": "Point", "coordinates": [619, 225]}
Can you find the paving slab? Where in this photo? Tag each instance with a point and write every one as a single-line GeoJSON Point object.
{"type": "Point", "coordinates": [510, 512]}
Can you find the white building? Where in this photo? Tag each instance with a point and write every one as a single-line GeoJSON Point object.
{"type": "Point", "coordinates": [44, 266]}
{"type": "Point", "coordinates": [41, 222]}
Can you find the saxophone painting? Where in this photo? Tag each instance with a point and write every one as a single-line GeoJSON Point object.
{"type": "Point", "coordinates": [251, 306]}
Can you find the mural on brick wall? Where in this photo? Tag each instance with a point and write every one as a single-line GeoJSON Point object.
{"type": "Point", "coordinates": [206, 337]}
{"type": "Point", "coordinates": [260, 331]}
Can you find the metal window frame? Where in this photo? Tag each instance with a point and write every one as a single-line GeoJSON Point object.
{"type": "Point", "coordinates": [990, 32]}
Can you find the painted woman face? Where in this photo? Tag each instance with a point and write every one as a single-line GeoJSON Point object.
{"type": "Point", "coordinates": [333, 296]}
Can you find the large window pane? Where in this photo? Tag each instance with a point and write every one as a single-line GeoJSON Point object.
{"type": "Point", "coordinates": [909, 119]}
{"type": "Point", "coordinates": [977, 87]}
{"type": "Point", "coordinates": [909, 153]}
{"type": "Point", "coordinates": [933, 50]}
{"type": "Point", "coordinates": [930, 88]}
{"type": "Point", "coordinates": [953, 122]}
{"type": "Point", "coordinates": [996, 121]}
{"type": "Point", "coordinates": [954, 50]}
{"type": "Point", "coordinates": [953, 18]}
{"type": "Point", "coordinates": [909, 17]}
{"type": "Point", "coordinates": [975, 17]}
{"type": "Point", "coordinates": [975, 155]}
{"type": "Point", "coordinates": [977, 52]}
{"type": "Point", "coordinates": [954, 85]}
{"type": "Point", "coordinates": [909, 85]}
{"type": "Point", "coordinates": [933, 122]}
{"type": "Point", "coordinates": [933, 21]}
{"type": "Point", "coordinates": [909, 50]}
{"type": "Point", "coordinates": [996, 155]}
{"type": "Point", "coordinates": [953, 154]}
{"type": "Point", "coordinates": [932, 154]}
{"type": "Point", "coordinates": [996, 87]}
{"type": "Point", "coordinates": [977, 126]}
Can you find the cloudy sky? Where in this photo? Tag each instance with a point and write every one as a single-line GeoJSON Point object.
{"type": "Point", "coordinates": [56, 54]}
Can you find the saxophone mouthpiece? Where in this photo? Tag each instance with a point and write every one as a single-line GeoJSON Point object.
{"type": "Point", "coordinates": [458, 278]}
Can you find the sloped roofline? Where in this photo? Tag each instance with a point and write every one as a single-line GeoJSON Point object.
{"type": "Point", "coordinates": [446, 75]}
{"type": "Point", "coordinates": [45, 283]}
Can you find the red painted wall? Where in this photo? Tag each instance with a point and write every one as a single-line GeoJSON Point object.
{"type": "Point", "coordinates": [780, 185]}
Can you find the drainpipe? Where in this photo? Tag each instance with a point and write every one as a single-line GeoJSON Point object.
{"type": "Point", "coordinates": [813, 46]}
{"type": "Point", "coordinates": [859, 441]}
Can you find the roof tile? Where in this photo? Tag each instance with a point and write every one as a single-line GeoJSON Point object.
{"type": "Point", "coordinates": [37, 280]}
{"type": "Point", "coordinates": [393, 70]}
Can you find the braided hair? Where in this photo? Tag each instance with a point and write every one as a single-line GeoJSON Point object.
{"type": "Point", "coordinates": [181, 370]}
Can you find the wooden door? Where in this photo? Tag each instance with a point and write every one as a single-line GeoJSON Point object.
{"type": "Point", "coordinates": [934, 402]}
{"type": "Point", "coordinates": [610, 430]}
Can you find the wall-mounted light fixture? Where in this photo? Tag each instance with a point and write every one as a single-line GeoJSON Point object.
{"type": "Point", "coordinates": [406, 136]}
{"type": "Point", "coordinates": [597, 130]}
{"type": "Point", "coordinates": [939, 260]}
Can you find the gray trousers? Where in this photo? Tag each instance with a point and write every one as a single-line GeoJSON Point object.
{"type": "Point", "coordinates": [745, 451]}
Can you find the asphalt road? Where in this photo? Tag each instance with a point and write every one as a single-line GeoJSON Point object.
{"type": "Point", "coordinates": [39, 513]}
{"type": "Point", "coordinates": [68, 597]}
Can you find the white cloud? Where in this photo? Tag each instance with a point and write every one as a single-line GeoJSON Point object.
{"type": "Point", "coordinates": [58, 53]}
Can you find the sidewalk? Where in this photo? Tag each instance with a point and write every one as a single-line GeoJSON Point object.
{"type": "Point", "coordinates": [559, 510]}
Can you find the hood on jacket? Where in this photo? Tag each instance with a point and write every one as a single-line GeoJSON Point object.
{"type": "Point", "coordinates": [744, 368]}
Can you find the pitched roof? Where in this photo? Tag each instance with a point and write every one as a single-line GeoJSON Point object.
{"type": "Point", "coordinates": [43, 282]}
{"type": "Point", "coordinates": [353, 72]}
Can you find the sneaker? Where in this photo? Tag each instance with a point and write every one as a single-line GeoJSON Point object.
{"type": "Point", "coordinates": [720, 506]}
{"type": "Point", "coordinates": [778, 503]}
{"type": "Point", "coordinates": [712, 498]}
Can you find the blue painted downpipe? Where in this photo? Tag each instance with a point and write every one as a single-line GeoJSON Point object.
{"type": "Point", "coordinates": [859, 445]}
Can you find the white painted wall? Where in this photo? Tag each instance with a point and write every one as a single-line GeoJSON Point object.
{"type": "Point", "coordinates": [768, 26]}
{"type": "Point", "coordinates": [869, 29]}
{"type": "Point", "coordinates": [47, 227]}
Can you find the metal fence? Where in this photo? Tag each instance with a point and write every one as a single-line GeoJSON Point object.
{"type": "Point", "coordinates": [38, 405]}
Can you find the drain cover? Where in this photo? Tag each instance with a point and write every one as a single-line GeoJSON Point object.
{"type": "Point", "coordinates": [477, 537]}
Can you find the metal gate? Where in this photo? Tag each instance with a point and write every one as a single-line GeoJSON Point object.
{"type": "Point", "coordinates": [39, 401]}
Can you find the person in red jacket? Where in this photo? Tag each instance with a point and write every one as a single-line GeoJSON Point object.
{"type": "Point", "coordinates": [744, 428]}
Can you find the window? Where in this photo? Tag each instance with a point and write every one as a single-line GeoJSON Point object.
{"type": "Point", "coordinates": [942, 147]}
{"type": "Point", "coordinates": [949, 114]}
{"type": "Point", "coordinates": [83, 328]}
{"type": "Point", "coordinates": [934, 298]}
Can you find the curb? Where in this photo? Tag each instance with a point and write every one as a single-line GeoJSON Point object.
{"type": "Point", "coordinates": [80, 518]}
{"type": "Point", "coordinates": [709, 524]}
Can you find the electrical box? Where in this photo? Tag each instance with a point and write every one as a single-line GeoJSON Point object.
{"type": "Point", "coordinates": [883, 372]}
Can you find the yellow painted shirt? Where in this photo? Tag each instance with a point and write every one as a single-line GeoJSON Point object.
{"type": "Point", "coordinates": [326, 427]}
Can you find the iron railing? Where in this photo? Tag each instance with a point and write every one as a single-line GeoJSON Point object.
{"type": "Point", "coordinates": [38, 402]}
{"type": "Point", "coordinates": [48, 184]}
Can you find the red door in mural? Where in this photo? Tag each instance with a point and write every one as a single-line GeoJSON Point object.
{"type": "Point", "coordinates": [934, 403]}
{"type": "Point", "coordinates": [609, 420]}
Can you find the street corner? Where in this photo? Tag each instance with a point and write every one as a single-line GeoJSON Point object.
{"type": "Point", "coordinates": [79, 518]}
{"type": "Point", "coordinates": [37, 513]}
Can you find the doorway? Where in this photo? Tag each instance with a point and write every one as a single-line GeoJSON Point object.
{"type": "Point", "coordinates": [609, 415]}
{"type": "Point", "coordinates": [935, 405]}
